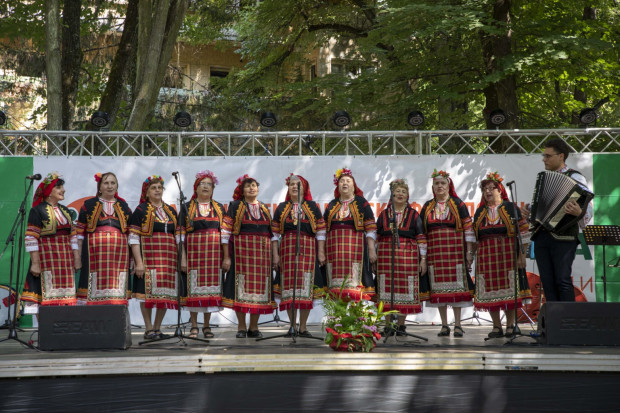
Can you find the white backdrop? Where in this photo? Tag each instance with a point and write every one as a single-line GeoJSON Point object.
{"type": "Point", "coordinates": [372, 175]}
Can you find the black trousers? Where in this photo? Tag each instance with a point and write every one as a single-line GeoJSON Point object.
{"type": "Point", "coordinates": [555, 261]}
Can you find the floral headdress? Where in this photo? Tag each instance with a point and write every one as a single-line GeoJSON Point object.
{"type": "Point", "coordinates": [345, 172]}
{"type": "Point", "coordinates": [340, 172]}
{"type": "Point", "coordinates": [305, 185]}
{"type": "Point", "coordinates": [445, 175]}
{"type": "Point", "coordinates": [99, 177]}
{"type": "Point", "coordinates": [497, 180]}
{"type": "Point", "coordinates": [202, 175]}
{"type": "Point", "coordinates": [437, 173]}
{"type": "Point", "coordinates": [207, 174]}
{"type": "Point", "coordinates": [45, 188]}
{"type": "Point", "coordinates": [147, 182]}
{"type": "Point", "coordinates": [238, 193]}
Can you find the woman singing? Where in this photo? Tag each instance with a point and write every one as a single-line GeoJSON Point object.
{"type": "Point", "coordinates": [103, 222]}
{"type": "Point", "coordinates": [153, 236]}
{"type": "Point", "coordinates": [409, 258]}
{"type": "Point", "coordinates": [350, 244]}
{"type": "Point", "coordinates": [312, 232]}
{"type": "Point", "coordinates": [202, 252]}
{"type": "Point", "coordinates": [51, 241]}
{"type": "Point", "coordinates": [246, 239]}
{"type": "Point", "coordinates": [450, 239]}
{"type": "Point", "coordinates": [494, 226]}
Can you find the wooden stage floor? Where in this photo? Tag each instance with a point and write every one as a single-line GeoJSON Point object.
{"type": "Point", "coordinates": [227, 354]}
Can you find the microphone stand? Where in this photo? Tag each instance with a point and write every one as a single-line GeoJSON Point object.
{"type": "Point", "coordinates": [293, 332]}
{"type": "Point", "coordinates": [177, 331]}
{"type": "Point", "coordinates": [395, 242]}
{"type": "Point", "coordinates": [18, 223]}
{"type": "Point", "coordinates": [516, 331]}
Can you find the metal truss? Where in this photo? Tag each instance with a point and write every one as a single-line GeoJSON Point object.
{"type": "Point", "coordinates": [309, 143]}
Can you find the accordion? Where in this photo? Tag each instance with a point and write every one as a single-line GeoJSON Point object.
{"type": "Point", "coordinates": [552, 192]}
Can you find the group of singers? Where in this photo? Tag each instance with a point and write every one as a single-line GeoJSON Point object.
{"type": "Point", "coordinates": [228, 255]}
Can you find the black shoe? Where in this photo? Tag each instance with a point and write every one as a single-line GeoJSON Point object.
{"type": "Point", "coordinates": [497, 332]}
{"type": "Point", "coordinates": [402, 330]}
{"type": "Point", "coordinates": [387, 330]}
{"type": "Point", "coordinates": [444, 332]}
{"type": "Point", "coordinates": [305, 334]}
{"type": "Point", "coordinates": [509, 331]}
{"type": "Point", "coordinates": [255, 334]}
{"type": "Point", "coordinates": [160, 335]}
{"type": "Point", "coordinates": [241, 334]}
{"type": "Point", "coordinates": [458, 331]}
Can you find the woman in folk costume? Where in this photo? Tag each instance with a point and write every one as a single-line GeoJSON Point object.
{"type": "Point", "coordinates": [201, 223]}
{"type": "Point", "coordinates": [103, 221]}
{"type": "Point", "coordinates": [153, 237]}
{"type": "Point", "coordinates": [450, 238]}
{"type": "Point", "coordinates": [496, 251]}
{"type": "Point", "coordinates": [51, 241]}
{"type": "Point", "coordinates": [410, 288]}
{"type": "Point", "coordinates": [350, 243]}
{"type": "Point", "coordinates": [312, 236]}
{"type": "Point", "coordinates": [246, 239]}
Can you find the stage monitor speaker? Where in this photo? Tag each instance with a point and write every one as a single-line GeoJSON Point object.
{"type": "Point", "coordinates": [91, 327]}
{"type": "Point", "coordinates": [579, 324]}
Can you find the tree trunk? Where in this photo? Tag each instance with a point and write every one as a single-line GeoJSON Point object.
{"type": "Point", "coordinates": [589, 13]}
{"type": "Point", "coordinates": [115, 87]}
{"type": "Point", "coordinates": [52, 65]}
{"type": "Point", "coordinates": [155, 44]}
{"type": "Point", "coordinates": [71, 59]}
{"type": "Point", "coordinates": [500, 94]}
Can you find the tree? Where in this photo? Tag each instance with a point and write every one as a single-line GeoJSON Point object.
{"type": "Point", "coordinates": [53, 67]}
{"type": "Point", "coordinates": [159, 22]}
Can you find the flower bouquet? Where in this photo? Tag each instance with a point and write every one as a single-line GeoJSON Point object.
{"type": "Point", "coordinates": [352, 325]}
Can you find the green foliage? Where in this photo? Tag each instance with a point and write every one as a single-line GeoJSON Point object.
{"type": "Point", "coordinates": [355, 323]}
{"type": "Point", "coordinates": [425, 55]}
{"type": "Point", "coordinates": [392, 56]}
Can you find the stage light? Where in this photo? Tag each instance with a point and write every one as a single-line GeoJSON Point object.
{"type": "Point", "coordinates": [497, 117]}
{"type": "Point", "coordinates": [268, 119]}
{"type": "Point", "coordinates": [182, 119]}
{"type": "Point", "coordinates": [415, 118]}
{"type": "Point", "coordinates": [341, 118]}
{"type": "Point", "coordinates": [588, 116]}
{"type": "Point", "coordinates": [100, 119]}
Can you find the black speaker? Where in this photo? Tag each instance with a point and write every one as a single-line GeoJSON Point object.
{"type": "Point", "coordinates": [579, 324]}
{"type": "Point", "coordinates": [89, 327]}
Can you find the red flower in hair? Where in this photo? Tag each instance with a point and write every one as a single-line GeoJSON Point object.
{"type": "Point", "coordinates": [340, 172]}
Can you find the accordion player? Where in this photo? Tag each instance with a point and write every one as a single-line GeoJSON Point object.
{"type": "Point", "coordinates": [552, 192]}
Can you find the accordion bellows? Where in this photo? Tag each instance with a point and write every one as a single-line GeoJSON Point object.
{"type": "Point", "coordinates": [553, 190]}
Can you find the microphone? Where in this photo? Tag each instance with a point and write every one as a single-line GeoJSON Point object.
{"type": "Point", "coordinates": [175, 173]}
{"type": "Point", "coordinates": [34, 177]}
{"type": "Point", "coordinates": [510, 183]}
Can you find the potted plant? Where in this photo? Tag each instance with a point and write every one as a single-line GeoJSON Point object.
{"type": "Point", "coordinates": [352, 325]}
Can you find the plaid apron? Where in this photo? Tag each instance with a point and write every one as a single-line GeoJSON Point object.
{"type": "Point", "coordinates": [344, 248]}
{"type": "Point", "coordinates": [108, 258]}
{"type": "Point", "coordinates": [406, 279]}
{"type": "Point", "coordinates": [304, 289]}
{"type": "Point", "coordinates": [253, 274]}
{"type": "Point", "coordinates": [204, 268]}
{"type": "Point", "coordinates": [57, 272]}
{"type": "Point", "coordinates": [159, 253]}
{"type": "Point", "coordinates": [446, 266]}
{"type": "Point", "coordinates": [495, 275]}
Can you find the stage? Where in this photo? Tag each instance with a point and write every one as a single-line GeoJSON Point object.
{"type": "Point", "coordinates": [230, 374]}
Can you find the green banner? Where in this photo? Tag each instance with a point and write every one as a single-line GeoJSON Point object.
{"type": "Point", "coordinates": [607, 212]}
{"type": "Point", "coordinates": [12, 187]}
